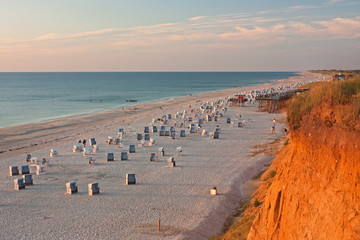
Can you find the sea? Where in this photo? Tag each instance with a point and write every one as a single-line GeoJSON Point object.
{"type": "Point", "coordinates": [46, 96]}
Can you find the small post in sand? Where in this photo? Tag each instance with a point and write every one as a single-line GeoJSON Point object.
{"type": "Point", "coordinates": [159, 226]}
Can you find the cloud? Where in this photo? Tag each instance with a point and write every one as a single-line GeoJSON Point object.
{"type": "Point", "coordinates": [348, 28]}
{"type": "Point", "coordinates": [256, 33]}
{"type": "Point", "coordinates": [301, 7]}
{"type": "Point", "coordinates": [222, 30]}
{"type": "Point", "coordinates": [197, 18]}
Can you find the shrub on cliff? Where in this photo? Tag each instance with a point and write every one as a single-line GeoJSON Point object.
{"type": "Point", "coordinates": [343, 97]}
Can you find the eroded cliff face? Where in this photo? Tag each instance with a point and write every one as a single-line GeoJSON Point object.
{"type": "Point", "coordinates": [316, 191]}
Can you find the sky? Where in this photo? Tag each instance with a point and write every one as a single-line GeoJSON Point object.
{"type": "Point", "coordinates": [178, 35]}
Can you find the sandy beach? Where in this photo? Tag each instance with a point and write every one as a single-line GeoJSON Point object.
{"type": "Point", "coordinates": [179, 195]}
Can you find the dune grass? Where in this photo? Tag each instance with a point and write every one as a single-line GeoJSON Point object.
{"type": "Point", "coordinates": [342, 96]}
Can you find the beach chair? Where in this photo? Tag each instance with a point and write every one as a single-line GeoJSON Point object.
{"type": "Point", "coordinates": [192, 129]}
{"type": "Point", "coordinates": [200, 121]}
{"type": "Point", "coordinates": [216, 135]}
{"type": "Point", "coordinates": [28, 157]}
{"type": "Point", "coordinates": [34, 160]}
{"type": "Point", "coordinates": [95, 148]}
{"type": "Point", "coordinates": [110, 157]}
{"type": "Point", "coordinates": [93, 188]}
{"type": "Point", "coordinates": [147, 137]}
{"type": "Point", "coordinates": [216, 118]}
{"type": "Point", "coordinates": [162, 133]}
{"type": "Point", "coordinates": [71, 188]}
{"type": "Point", "coordinates": [92, 141]}
{"type": "Point", "coordinates": [154, 129]}
{"type": "Point", "coordinates": [19, 184]}
{"type": "Point", "coordinates": [40, 169]}
{"type": "Point", "coordinates": [53, 152]}
{"type": "Point", "coordinates": [189, 119]}
{"type": "Point", "coordinates": [78, 147]}
{"type": "Point", "coordinates": [139, 136]}
{"type": "Point", "coordinates": [169, 116]}
{"type": "Point", "coordinates": [179, 151]}
{"type": "Point", "coordinates": [211, 135]}
{"type": "Point", "coordinates": [161, 151]}
{"type": "Point", "coordinates": [130, 178]}
{"type": "Point", "coordinates": [208, 118]}
{"type": "Point", "coordinates": [14, 170]}
{"type": "Point", "coordinates": [141, 144]}
{"type": "Point", "coordinates": [146, 130]}
{"type": "Point", "coordinates": [86, 151]}
{"type": "Point", "coordinates": [182, 133]}
{"type": "Point", "coordinates": [27, 179]}
{"type": "Point", "coordinates": [25, 169]}
{"type": "Point", "coordinates": [153, 157]}
{"type": "Point", "coordinates": [228, 120]}
{"type": "Point", "coordinates": [120, 135]}
{"type": "Point", "coordinates": [132, 149]}
{"type": "Point", "coordinates": [124, 155]}
{"type": "Point", "coordinates": [240, 124]}
{"type": "Point", "coordinates": [162, 128]}
{"type": "Point", "coordinates": [167, 133]}
{"type": "Point", "coordinates": [171, 162]}
{"type": "Point", "coordinates": [217, 129]}
{"type": "Point", "coordinates": [213, 191]}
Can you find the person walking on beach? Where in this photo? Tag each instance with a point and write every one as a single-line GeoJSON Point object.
{"type": "Point", "coordinates": [84, 142]}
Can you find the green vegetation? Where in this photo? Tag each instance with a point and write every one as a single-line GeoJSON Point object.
{"type": "Point", "coordinates": [256, 203]}
{"type": "Point", "coordinates": [272, 174]}
{"type": "Point", "coordinates": [343, 96]}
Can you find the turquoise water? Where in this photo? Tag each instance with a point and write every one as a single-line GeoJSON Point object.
{"type": "Point", "coordinates": [40, 97]}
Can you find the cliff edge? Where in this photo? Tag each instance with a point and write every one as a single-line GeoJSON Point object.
{"type": "Point", "coordinates": [316, 191]}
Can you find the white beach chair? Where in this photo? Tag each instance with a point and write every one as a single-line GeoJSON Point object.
{"type": "Point", "coordinates": [179, 151]}
{"type": "Point", "coordinates": [213, 191]}
{"type": "Point", "coordinates": [161, 151]}
{"type": "Point", "coordinates": [53, 152]}
{"type": "Point", "coordinates": [86, 151]}
{"type": "Point", "coordinates": [141, 144]}
{"type": "Point", "coordinates": [40, 169]}
{"type": "Point", "coordinates": [204, 132]}
{"type": "Point", "coordinates": [95, 148]}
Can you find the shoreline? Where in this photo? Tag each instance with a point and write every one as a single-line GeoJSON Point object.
{"type": "Point", "coordinates": [90, 110]}
{"type": "Point", "coordinates": [32, 131]}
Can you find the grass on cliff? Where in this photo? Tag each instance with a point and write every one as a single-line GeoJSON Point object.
{"type": "Point", "coordinates": [343, 96]}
